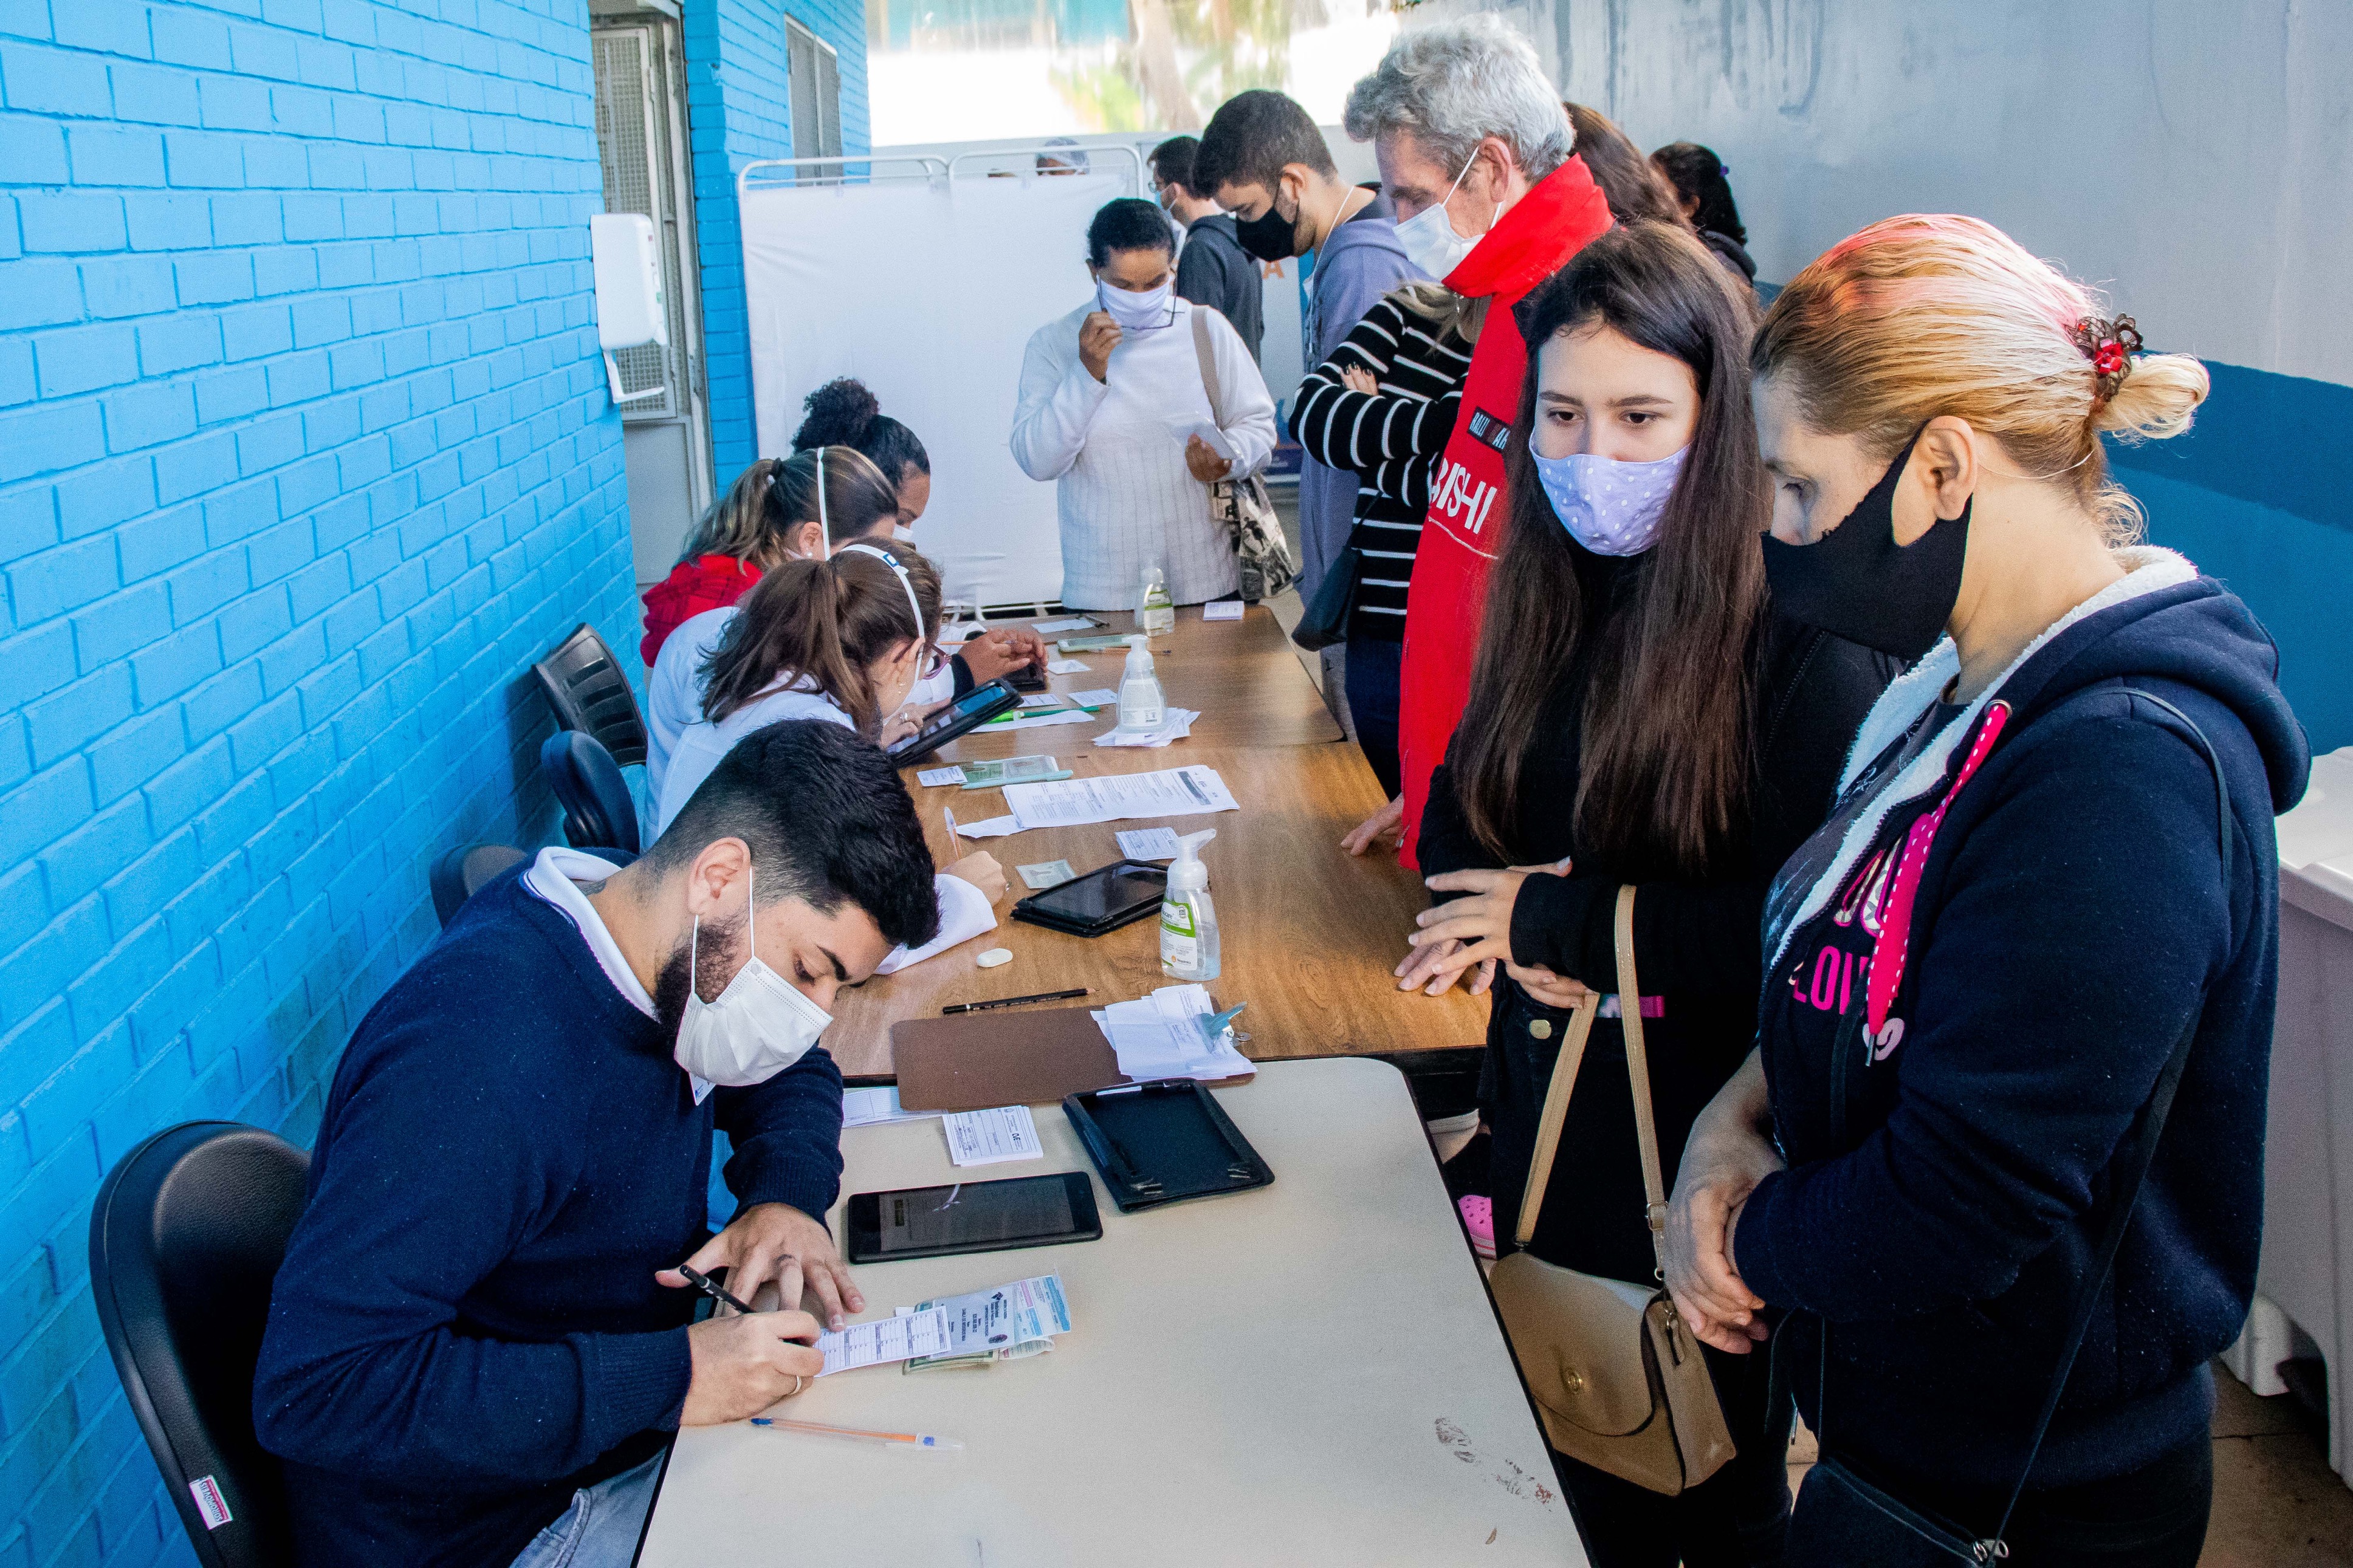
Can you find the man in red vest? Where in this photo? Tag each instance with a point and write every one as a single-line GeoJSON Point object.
{"type": "Point", "coordinates": [1475, 151]}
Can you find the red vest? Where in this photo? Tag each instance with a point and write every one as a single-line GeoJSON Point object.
{"type": "Point", "coordinates": [1465, 529]}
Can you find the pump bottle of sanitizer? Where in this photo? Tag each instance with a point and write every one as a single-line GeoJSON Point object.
{"type": "Point", "coordinates": [1155, 613]}
{"type": "Point", "coordinates": [1141, 704]}
{"type": "Point", "coordinates": [1189, 920]}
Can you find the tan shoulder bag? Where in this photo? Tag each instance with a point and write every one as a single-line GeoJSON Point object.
{"type": "Point", "coordinates": [1242, 506]}
{"type": "Point", "coordinates": [1616, 1372]}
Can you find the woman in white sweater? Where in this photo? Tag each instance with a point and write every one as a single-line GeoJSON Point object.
{"type": "Point", "coordinates": [1110, 395]}
{"type": "Point", "coordinates": [841, 640]}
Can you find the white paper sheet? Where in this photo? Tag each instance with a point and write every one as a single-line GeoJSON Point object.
{"type": "Point", "coordinates": [1036, 699]}
{"type": "Point", "coordinates": [1158, 1037]}
{"type": "Point", "coordinates": [1222, 610]}
{"type": "Point", "coordinates": [884, 1340]}
{"type": "Point", "coordinates": [995, 827]}
{"type": "Point", "coordinates": [1101, 697]}
{"type": "Point", "coordinates": [1072, 802]}
{"type": "Point", "coordinates": [1176, 724]}
{"type": "Point", "coordinates": [992, 1137]}
{"type": "Point", "coordinates": [1066, 667]}
{"type": "Point", "coordinates": [1215, 437]}
{"type": "Point", "coordinates": [1073, 624]}
{"type": "Point", "coordinates": [1037, 720]}
{"type": "Point", "coordinates": [932, 778]}
{"type": "Point", "coordinates": [867, 1106]}
{"type": "Point", "coordinates": [1148, 843]}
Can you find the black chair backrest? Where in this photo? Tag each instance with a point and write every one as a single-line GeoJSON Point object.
{"type": "Point", "coordinates": [462, 872]}
{"type": "Point", "coordinates": [586, 687]}
{"type": "Point", "coordinates": [186, 1237]}
{"type": "Point", "coordinates": [598, 812]}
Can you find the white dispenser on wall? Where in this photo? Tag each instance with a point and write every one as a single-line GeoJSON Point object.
{"type": "Point", "coordinates": [626, 265]}
{"type": "Point", "coordinates": [1189, 920]}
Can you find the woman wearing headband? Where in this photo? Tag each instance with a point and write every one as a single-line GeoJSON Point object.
{"type": "Point", "coordinates": [842, 640]}
{"type": "Point", "coordinates": [2036, 939]}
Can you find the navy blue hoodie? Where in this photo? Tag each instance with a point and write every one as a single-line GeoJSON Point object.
{"type": "Point", "coordinates": [2071, 917]}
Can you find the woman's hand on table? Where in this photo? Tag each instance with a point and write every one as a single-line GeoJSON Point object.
{"type": "Point", "coordinates": [1001, 651]}
{"type": "Point", "coordinates": [1389, 823]}
{"type": "Point", "coordinates": [1725, 1158]}
{"type": "Point", "coordinates": [1480, 923]}
{"type": "Point", "coordinates": [981, 869]}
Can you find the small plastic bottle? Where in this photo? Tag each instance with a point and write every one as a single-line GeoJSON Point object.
{"type": "Point", "coordinates": [1156, 612]}
{"type": "Point", "coordinates": [1189, 920]}
{"type": "Point", "coordinates": [1141, 704]}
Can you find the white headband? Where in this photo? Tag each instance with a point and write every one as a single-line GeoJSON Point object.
{"type": "Point", "coordinates": [864, 547]}
{"type": "Point", "coordinates": [824, 524]}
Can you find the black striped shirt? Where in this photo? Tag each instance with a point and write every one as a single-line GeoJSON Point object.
{"type": "Point", "coordinates": [1391, 439]}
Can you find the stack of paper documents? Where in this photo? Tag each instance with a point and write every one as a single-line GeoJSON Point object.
{"type": "Point", "coordinates": [1004, 1324]}
{"type": "Point", "coordinates": [1074, 803]}
{"type": "Point", "coordinates": [1176, 724]}
{"type": "Point", "coordinates": [884, 1339]}
{"type": "Point", "coordinates": [1162, 1035]}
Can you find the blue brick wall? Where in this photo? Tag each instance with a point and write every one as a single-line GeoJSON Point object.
{"type": "Point", "coordinates": [738, 112]}
{"type": "Point", "coordinates": [305, 454]}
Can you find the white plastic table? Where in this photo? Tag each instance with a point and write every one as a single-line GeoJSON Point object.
{"type": "Point", "coordinates": [1305, 1373]}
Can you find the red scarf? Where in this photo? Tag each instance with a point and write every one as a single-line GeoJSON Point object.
{"type": "Point", "coordinates": [1465, 529]}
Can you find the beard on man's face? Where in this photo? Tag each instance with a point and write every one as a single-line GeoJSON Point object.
{"type": "Point", "coordinates": [711, 958]}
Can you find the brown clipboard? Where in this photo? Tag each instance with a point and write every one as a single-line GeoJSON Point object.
{"type": "Point", "coordinates": [976, 1061]}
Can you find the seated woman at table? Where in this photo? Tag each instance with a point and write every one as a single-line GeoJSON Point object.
{"type": "Point", "coordinates": [1639, 713]}
{"type": "Point", "coordinates": [778, 511]}
{"type": "Point", "coordinates": [841, 640]}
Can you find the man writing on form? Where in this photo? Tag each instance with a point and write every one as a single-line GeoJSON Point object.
{"type": "Point", "coordinates": [479, 1340]}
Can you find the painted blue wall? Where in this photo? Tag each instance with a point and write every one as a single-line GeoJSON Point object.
{"type": "Point", "coordinates": [738, 112]}
{"type": "Point", "coordinates": [305, 454]}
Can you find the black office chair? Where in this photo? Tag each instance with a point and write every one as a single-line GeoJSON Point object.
{"type": "Point", "coordinates": [185, 1239]}
{"type": "Point", "coordinates": [598, 812]}
{"type": "Point", "coordinates": [586, 687]}
{"type": "Point", "coordinates": [465, 870]}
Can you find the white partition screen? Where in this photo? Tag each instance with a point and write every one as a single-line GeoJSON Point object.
{"type": "Point", "coordinates": [926, 289]}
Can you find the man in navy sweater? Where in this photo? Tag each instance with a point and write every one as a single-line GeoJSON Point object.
{"type": "Point", "coordinates": [478, 1340]}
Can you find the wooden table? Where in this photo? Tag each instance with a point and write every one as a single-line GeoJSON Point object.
{"type": "Point", "coordinates": [1309, 1373]}
{"type": "Point", "coordinates": [1310, 932]}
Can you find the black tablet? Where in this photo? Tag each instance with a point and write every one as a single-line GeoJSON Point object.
{"type": "Point", "coordinates": [1120, 894]}
{"type": "Point", "coordinates": [972, 1217]}
{"type": "Point", "coordinates": [1163, 1142]}
{"type": "Point", "coordinates": [967, 712]}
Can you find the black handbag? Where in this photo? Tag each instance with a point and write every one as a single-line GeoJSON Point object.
{"type": "Point", "coordinates": [1841, 1519]}
{"type": "Point", "coordinates": [1325, 621]}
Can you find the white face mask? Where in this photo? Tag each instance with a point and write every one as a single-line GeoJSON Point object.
{"type": "Point", "coordinates": [1429, 237]}
{"type": "Point", "coordinates": [758, 1025]}
{"type": "Point", "coordinates": [1144, 312]}
{"type": "Point", "coordinates": [1609, 505]}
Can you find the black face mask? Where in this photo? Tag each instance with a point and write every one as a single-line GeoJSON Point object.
{"type": "Point", "coordinates": [1270, 237]}
{"type": "Point", "coordinates": [1855, 582]}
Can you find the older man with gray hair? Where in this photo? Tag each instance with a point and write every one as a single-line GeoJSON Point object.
{"type": "Point", "coordinates": [1475, 153]}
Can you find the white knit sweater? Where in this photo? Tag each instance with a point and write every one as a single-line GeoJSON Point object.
{"type": "Point", "coordinates": [1124, 495]}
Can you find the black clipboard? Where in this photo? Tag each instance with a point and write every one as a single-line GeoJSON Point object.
{"type": "Point", "coordinates": [1161, 1143]}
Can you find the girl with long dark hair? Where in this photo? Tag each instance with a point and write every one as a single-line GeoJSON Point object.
{"type": "Point", "coordinates": [1639, 714]}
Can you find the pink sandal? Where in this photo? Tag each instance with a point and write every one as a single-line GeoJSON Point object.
{"type": "Point", "coordinates": [1479, 1218]}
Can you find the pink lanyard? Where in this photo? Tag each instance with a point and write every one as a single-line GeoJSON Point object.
{"type": "Point", "coordinates": [1895, 941]}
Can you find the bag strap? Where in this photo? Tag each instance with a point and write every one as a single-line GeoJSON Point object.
{"type": "Point", "coordinates": [2140, 1150]}
{"type": "Point", "coordinates": [1564, 1084]}
{"type": "Point", "coordinates": [1207, 353]}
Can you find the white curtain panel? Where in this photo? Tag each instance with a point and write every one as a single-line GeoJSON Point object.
{"type": "Point", "coordinates": [927, 290]}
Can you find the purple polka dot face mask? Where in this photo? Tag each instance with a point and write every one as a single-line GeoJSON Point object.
{"type": "Point", "coordinates": [1610, 507]}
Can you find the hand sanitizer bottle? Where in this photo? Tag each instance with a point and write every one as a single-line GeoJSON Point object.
{"type": "Point", "coordinates": [1155, 613]}
{"type": "Point", "coordinates": [1189, 920]}
{"type": "Point", "coordinates": [1141, 704]}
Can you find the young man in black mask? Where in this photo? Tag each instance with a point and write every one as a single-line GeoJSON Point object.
{"type": "Point", "coordinates": [1212, 270]}
{"type": "Point", "coordinates": [1264, 161]}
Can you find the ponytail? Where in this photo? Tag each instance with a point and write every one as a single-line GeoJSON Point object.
{"type": "Point", "coordinates": [821, 626]}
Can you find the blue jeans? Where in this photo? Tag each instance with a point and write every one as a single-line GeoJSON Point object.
{"type": "Point", "coordinates": [1373, 670]}
{"type": "Point", "coordinates": [600, 1529]}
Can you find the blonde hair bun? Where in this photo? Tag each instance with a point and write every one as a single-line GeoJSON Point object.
{"type": "Point", "coordinates": [1934, 313]}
